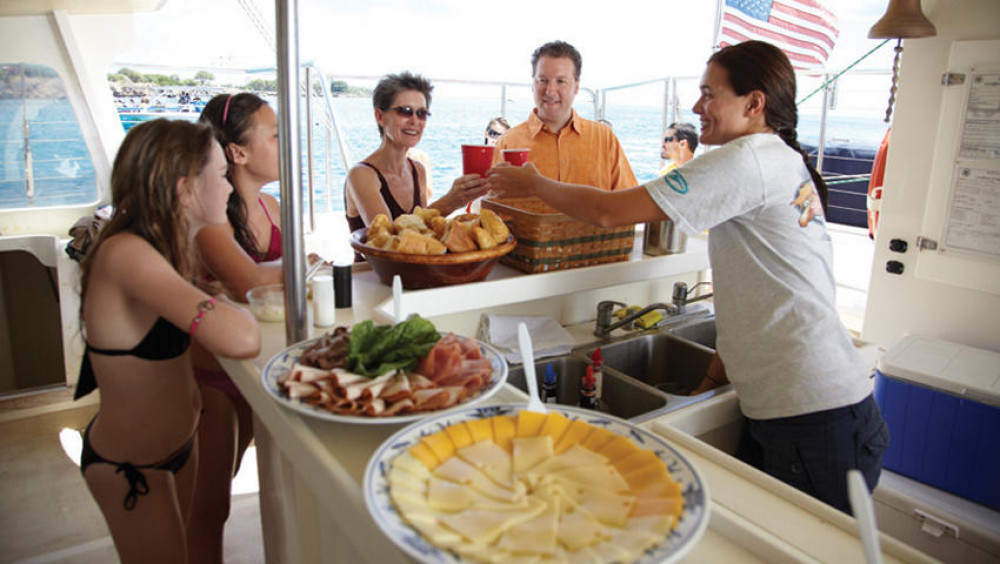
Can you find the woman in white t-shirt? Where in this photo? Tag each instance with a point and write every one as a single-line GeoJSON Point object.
{"type": "Point", "coordinates": [802, 386]}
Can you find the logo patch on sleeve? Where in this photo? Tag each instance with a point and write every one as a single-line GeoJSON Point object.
{"type": "Point", "coordinates": [676, 181]}
{"type": "Point", "coordinates": [808, 203]}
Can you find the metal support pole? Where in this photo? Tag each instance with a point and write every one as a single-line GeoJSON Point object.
{"type": "Point", "coordinates": [329, 170]}
{"type": "Point", "coordinates": [666, 116]}
{"type": "Point", "coordinates": [309, 151]}
{"type": "Point", "coordinates": [821, 146]}
{"type": "Point", "coordinates": [503, 100]}
{"type": "Point", "coordinates": [290, 153]}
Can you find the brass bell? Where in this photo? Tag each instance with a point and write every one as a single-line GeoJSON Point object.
{"type": "Point", "coordinates": [902, 19]}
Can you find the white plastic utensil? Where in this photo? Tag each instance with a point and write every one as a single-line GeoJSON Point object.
{"type": "Point", "coordinates": [864, 512]}
{"type": "Point", "coordinates": [313, 269]}
{"type": "Point", "coordinates": [397, 298]}
{"type": "Point", "coordinates": [528, 358]}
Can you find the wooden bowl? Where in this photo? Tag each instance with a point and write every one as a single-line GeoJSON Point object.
{"type": "Point", "coordinates": [429, 271]}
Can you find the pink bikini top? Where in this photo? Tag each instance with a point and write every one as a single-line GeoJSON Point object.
{"type": "Point", "coordinates": [274, 249]}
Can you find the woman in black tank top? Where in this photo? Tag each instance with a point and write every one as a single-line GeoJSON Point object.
{"type": "Point", "coordinates": [388, 181]}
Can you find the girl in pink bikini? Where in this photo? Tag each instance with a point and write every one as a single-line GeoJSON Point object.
{"type": "Point", "coordinates": [241, 254]}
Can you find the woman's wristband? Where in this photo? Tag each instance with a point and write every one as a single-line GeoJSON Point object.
{"type": "Point", "coordinates": [203, 308]}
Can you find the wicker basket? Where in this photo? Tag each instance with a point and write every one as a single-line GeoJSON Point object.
{"type": "Point", "coordinates": [549, 240]}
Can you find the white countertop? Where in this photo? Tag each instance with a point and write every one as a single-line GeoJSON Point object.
{"type": "Point", "coordinates": [311, 470]}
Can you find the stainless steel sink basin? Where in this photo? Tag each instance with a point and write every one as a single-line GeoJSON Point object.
{"type": "Point", "coordinates": [621, 396]}
{"type": "Point", "coordinates": [661, 360]}
{"type": "Point", "coordinates": [701, 330]}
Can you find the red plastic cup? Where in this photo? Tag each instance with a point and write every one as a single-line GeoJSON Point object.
{"type": "Point", "coordinates": [516, 157]}
{"type": "Point", "coordinates": [476, 159]}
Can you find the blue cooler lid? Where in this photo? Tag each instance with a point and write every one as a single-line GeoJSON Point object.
{"type": "Point", "coordinates": [957, 369]}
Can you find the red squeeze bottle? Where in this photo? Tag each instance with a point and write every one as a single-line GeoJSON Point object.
{"type": "Point", "coordinates": [598, 363]}
{"type": "Point", "coordinates": [588, 399]}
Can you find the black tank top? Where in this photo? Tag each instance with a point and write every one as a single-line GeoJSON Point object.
{"type": "Point", "coordinates": [395, 210]}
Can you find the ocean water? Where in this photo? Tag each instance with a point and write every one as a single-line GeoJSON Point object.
{"type": "Point", "coordinates": [457, 121]}
{"type": "Point", "coordinates": [61, 166]}
{"type": "Point", "coordinates": [64, 173]}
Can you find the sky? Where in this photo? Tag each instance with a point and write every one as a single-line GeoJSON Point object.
{"type": "Point", "coordinates": [621, 41]}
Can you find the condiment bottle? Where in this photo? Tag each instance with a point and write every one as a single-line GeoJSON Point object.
{"type": "Point", "coordinates": [588, 399]}
{"type": "Point", "coordinates": [549, 386]}
{"type": "Point", "coordinates": [342, 285]}
{"type": "Point", "coordinates": [598, 363]}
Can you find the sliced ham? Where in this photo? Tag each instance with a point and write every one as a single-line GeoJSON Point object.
{"type": "Point", "coordinates": [471, 381]}
{"type": "Point", "coordinates": [367, 389]}
{"type": "Point", "coordinates": [298, 390]}
{"type": "Point", "coordinates": [397, 389]}
{"type": "Point", "coordinates": [327, 387]}
{"type": "Point", "coordinates": [437, 398]}
{"type": "Point", "coordinates": [307, 374]}
{"type": "Point", "coordinates": [343, 377]}
{"type": "Point", "coordinates": [398, 408]}
{"type": "Point", "coordinates": [319, 399]}
{"type": "Point", "coordinates": [470, 348]}
{"type": "Point", "coordinates": [373, 408]}
{"type": "Point", "coordinates": [419, 381]}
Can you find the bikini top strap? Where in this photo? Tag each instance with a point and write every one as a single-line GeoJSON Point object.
{"type": "Point", "coordinates": [266, 213]}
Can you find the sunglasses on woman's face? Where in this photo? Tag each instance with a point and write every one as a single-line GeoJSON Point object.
{"type": "Point", "coordinates": [407, 111]}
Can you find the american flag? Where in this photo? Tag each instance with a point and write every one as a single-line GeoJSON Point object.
{"type": "Point", "coordinates": [803, 29]}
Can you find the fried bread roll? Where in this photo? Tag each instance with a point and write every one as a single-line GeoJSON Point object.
{"type": "Point", "coordinates": [496, 226]}
{"type": "Point", "coordinates": [410, 241]}
{"type": "Point", "coordinates": [380, 239]}
{"type": "Point", "coordinates": [380, 222]}
{"type": "Point", "coordinates": [439, 226]}
{"type": "Point", "coordinates": [459, 238]}
{"type": "Point", "coordinates": [426, 214]}
{"type": "Point", "coordinates": [410, 221]}
{"type": "Point", "coordinates": [483, 238]}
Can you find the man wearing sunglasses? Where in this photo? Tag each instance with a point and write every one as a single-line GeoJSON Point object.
{"type": "Point", "coordinates": [678, 146]}
{"type": "Point", "coordinates": [565, 146]}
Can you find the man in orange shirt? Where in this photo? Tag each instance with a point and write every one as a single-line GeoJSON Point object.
{"type": "Point", "coordinates": [565, 146]}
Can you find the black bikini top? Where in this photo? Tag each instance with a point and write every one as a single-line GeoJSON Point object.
{"type": "Point", "coordinates": [163, 341]}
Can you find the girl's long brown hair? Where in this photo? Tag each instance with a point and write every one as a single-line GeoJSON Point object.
{"type": "Point", "coordinates": [154, 156]}
{"type": "Point", "coordinates": [757, 65]}
{"type": "Point", "coordinates": [231, 115]}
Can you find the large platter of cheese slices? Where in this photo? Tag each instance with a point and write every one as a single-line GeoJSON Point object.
{"type": "Point", "coordinates": [377, 374]}
{"type": "Point", "coordinates": [502, 484]}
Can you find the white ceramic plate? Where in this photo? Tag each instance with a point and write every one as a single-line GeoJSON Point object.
{"type": "Point", "coordinates": [281, 363]}
{"type": "Point", "coordinates": [678, 543]}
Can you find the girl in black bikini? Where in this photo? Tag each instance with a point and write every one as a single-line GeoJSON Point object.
{"type": "Point", "coordinates": [140, 312]}
{"type": "Point", "coordinates": [387, 181]}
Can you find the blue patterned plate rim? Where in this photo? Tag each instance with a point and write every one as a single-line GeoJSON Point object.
{"type": "Point", "coordinates": [680, 541]}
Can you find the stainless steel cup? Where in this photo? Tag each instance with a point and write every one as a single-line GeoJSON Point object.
{"type": "Point", "coordinates": [663, 238]}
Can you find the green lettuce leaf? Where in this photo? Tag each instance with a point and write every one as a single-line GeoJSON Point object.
{"type": "Point", "coordinates": [377, 349]}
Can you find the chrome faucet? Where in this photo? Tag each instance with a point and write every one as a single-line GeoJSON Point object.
{"type": "Point", "coordinates": [604, 326]}
{"type": "Point", "coordinates": [681, 299]}
{"type": "Point", "coordinates": [605, 309]}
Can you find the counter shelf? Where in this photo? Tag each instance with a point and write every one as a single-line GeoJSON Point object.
{"type": "Point", "coordinates": [311, 471]}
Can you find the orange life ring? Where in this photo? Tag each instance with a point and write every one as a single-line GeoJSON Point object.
{"type": "Point", "coordinates": [875, 184]}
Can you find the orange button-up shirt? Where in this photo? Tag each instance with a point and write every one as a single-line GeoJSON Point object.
{"type": "Point", "coordinates": [584, 152]}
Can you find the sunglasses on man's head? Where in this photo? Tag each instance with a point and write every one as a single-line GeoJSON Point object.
{"type": "Point", "coordinates": [407, 111]}
{"type": "Point", "coordinates": [668, 138]}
